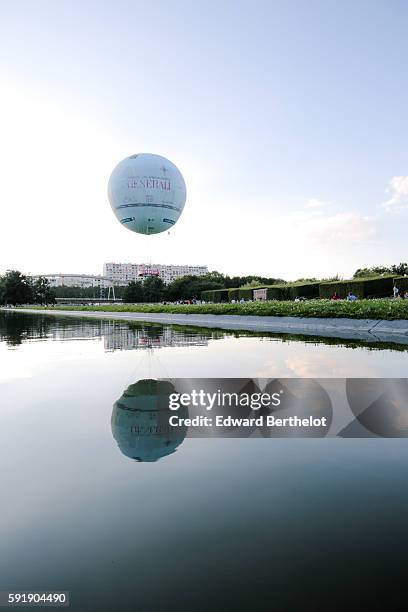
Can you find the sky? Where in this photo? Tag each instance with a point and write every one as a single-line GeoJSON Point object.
{"type": "Point", "coordinates": [287, 119]}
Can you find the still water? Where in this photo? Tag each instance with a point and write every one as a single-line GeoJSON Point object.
{"type": "Point", "coordinates": [211, 524]}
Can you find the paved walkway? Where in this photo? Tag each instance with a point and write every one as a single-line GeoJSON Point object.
{"type": "Point", "coordinates": [352, 329]}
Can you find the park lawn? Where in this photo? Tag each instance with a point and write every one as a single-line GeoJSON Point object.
{"type": "Point", "coordinates": [389, 309]}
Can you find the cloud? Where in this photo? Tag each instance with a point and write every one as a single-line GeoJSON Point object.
{"type": "Point", "coordinates": [319, 364]}
{"type": "Point", "coordinates": [345, 227]}
{"type": "Point", "coordinates": [335, 229]}
{"type": "Point", "coordinates": [398, 189]}
{"type": "Point", "coordinates": [315, 203]}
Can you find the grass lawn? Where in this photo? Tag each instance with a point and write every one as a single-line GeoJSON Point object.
{"type": "Point", "coordinates": [361, 309]}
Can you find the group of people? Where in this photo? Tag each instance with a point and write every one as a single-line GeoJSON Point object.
{"type": "Point", "coordinates": [350, 296]}
{"type": "Point", "coordinates": [398, 294]}
{"type": "Point", "coordinates": [192, 300]}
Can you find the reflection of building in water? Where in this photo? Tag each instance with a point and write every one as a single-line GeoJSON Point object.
{"type": "Point", "coordinates": [120, 336]}
{"type": "Point", "coordinates": [140, 421]}
{"type": "Point", "coordinates": [126, 338]}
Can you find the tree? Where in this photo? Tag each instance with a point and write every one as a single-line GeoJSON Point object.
{"type": "Point", "coordinates": [133, 292]}
{"type": "Point", "coordinates": [232, 282]}
{"type": "Point", "coordinates": [17, 288]}
{"type": "Point", "coordinates": [65, 291]}
{"type": "Point", "coordinates": [153, 289]}
{"type": "Point", "coordinates": [189, 286]}
{"type": "Point", "coordinates": [2, 290]}
{"type": "Point", "coordinates": [307, 280]}
{"type": "Point", "coordinates": [400, 269]}
{"type": "Point", "coordinates": [373, 271]}
{"type": "Point", "coordinates": [42, 292]}
{"type": "Point", "coordinates": [216, 277]}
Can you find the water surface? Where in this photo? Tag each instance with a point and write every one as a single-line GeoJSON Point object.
{"type": "Point", "coordinates": [222, 524]}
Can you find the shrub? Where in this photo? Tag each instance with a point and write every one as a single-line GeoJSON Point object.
{"type": "Point", "coordinates": [233, 294]}
{"type": "Point", "coordinates": [388, 309]}
{"type": "Point", "coordinates": [362, 287]}
{"type": "Point", "coordinates": [401, 282]}
{"type": "Point", "coordinates": [291, 291]}
{"type": "Point", "coordinates": [277, 292]}
{"type": "Point", "coordinates": [215, 295]}
{"type": "Point", "coordinates": [307, 290]}
{"type": "Point", "coordinates": [245, 293]}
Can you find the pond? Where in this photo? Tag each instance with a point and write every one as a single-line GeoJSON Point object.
{"type": "Point", "coordinates": [222, 524]}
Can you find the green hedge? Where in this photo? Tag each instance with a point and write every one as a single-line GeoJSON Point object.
{"type": "Point", "coordinates": [245, 293]}
{"type": "Point", "coordinates": [233, 294]}
{"type": "Point", "coordinates": [362, 287]}
{"type": "Point", "coordinates": [307, 290]}
{"type": "Point", "coordinates": [401, 282]}
{"type": "Point", "coordinates": [277, 292]}
{"type": "Point", "coordinates": [292, 291]}
{"type": "Point", "coordinates": [215, 295]}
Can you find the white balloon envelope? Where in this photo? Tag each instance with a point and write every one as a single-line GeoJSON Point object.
{"type": "Point", "coordinates": [147, 193]}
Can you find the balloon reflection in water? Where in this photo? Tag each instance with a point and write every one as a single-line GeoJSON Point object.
{"type": "Point", "coordinates": [140, 421]}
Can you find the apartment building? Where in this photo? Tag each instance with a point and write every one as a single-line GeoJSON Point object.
{"type": "Point", "coordinates": [75, 280]}
{"type": "Point", "coordinates": [123, 273]}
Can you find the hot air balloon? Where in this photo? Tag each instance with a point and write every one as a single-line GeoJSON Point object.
{"type": "Point", "coordinates": [147, 193]}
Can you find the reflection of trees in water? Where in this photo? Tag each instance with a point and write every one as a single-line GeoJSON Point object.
{"type": "Point", "coordinates": [140, 421]}
{"type": "Point", "coordinates": [16, 328]}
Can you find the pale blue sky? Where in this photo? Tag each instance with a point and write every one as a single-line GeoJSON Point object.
{"type": "Point", "coordinates": [287, 119]}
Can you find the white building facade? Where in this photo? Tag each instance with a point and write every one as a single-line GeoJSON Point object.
{"type": "Point", "coordinates": [75, 280]}
{"type": "Point", "coordinates": [124, 273]}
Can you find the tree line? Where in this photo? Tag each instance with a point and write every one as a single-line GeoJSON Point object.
{"type": "Point", "coordinates": [152, 288]}
{"type": "Point", "coordinates": [400, 269]}
{"type": "Point", "coordinates": [17, 288]}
